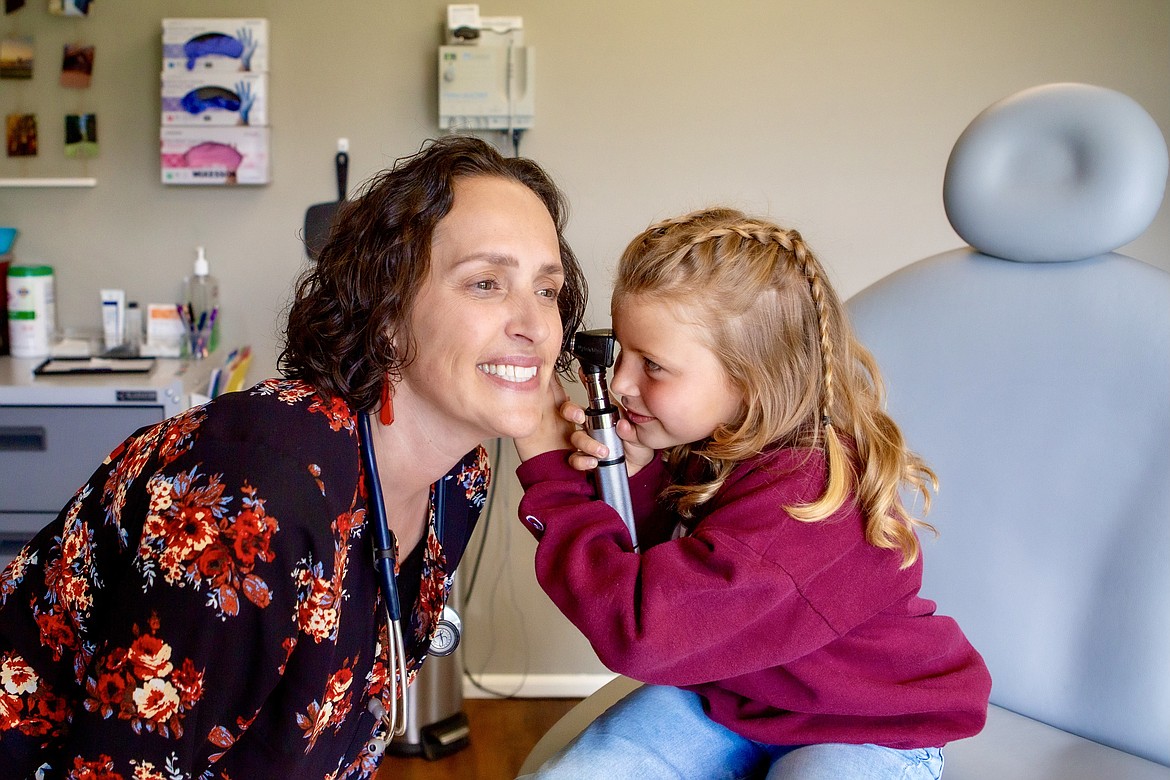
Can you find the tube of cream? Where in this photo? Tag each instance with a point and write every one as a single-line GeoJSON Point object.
{"type": "Point", "coordinates": [113, 317]}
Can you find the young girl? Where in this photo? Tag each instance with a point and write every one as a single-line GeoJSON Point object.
{"type": "Point", "coordinates": [774, 609]}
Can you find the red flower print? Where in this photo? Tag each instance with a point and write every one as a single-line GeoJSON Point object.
{"type": "Point", "coordinates": [56, 631]}
{"type": "Point", "coordinates": [189, 683]}
{"type": "Point", "coordinates": [319, 599]}
{"type": "Point", "coordinates": [475, 479]}
{"type": "Point", "coordinates": [170, 438]}
{"type": "Point", "coordinates": [45, 715]}
{"type": "Point", "coordinates": [161, 496]}
{"type": "Point", "coordinates": [13, 575]}
{"type": "Point", "coordinates": [75, 546]}
{"type": "Point", "coordinates": [101, 768]}
{"type": "Point", "coordinates": [116, 659]}
{"type": "Point", "coordinates": [194, 541]}
{"type": "Point", "coordinates": [317, 611]}
{"type": "Point", "coordinates": [335, 410]}
{"type": "Point", "coordinates": [150, 657]}
{"type": "Point", "coordinates": [10, 707]}
{"type": "Point", "coordinates": [290, 392]}
{"type": "Point", "coordinates": [75, 591]}
{"type": "Point", "coordinates": [331, 712]}
{"type": "Point", "coordinates": [70, 575]}
{"type": "Point", "coordinates": [179, 433]}
{"type": "Point", "coordinates": [140, 684]}
{"type": "Point", "coordinates": [339, 682]}
{"type": "Point", "coordinates": [376, 679]}
{"type": "Point", "coordinates": [348, 521]}
{"type": "Point", "coordinates": [144, 770]}
{"type": "Point", "coordinates": [433, 589]}
{"type": "Point", "coordinates": [215, 565]}
{"type": "Point", "coordinates": [195, 527]}
{"type": "Point", "coordinates": [16, 676]}
{"type": "Point", "coordinates": [27, 703]}
{"type": "Point", "coordinates": [248, 540]}
{"type": "Point", "coordinates": [156, 700]}
{"type": "Point", "coordinates": [110, 696]}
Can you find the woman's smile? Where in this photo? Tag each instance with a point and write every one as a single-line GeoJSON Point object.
{"type": "Point", "coordinates": [509, 372]}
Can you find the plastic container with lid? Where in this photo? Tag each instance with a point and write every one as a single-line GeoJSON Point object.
{"type": "Point", "coordinates": [32, 311]}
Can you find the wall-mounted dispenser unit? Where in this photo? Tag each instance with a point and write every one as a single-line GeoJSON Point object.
{"type": "Point", "coordinates": [486, 73]}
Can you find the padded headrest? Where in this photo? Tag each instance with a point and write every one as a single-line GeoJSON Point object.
{"type": "Point", "coordinates": [1056, 172]}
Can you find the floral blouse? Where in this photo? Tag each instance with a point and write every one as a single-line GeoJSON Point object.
{"type": "Point", "coordinates": [206, 608]}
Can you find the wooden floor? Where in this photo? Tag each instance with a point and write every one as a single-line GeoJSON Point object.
{"type": "Point", "coordinates": [502, 733]}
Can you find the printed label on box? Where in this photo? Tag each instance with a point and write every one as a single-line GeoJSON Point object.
{"type": "Point", "coordinates": [215, 99]}
{"type": "Point", "coordinates": [215, 155]}
{"type": "Point", "coordinates": [215, 44]}
{"type": "Point", "coordinates": [164, 330]}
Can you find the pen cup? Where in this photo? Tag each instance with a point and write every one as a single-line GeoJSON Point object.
{"type": "Point", "coordinates": [200, 342]}
{"type": "Point", "coordinates": [199, 329]}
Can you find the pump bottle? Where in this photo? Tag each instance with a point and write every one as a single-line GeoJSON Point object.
{"type": "Point", "coordinates": [201, 291]}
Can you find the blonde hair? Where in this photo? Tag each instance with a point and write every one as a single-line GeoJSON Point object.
{"type": "Point", "coordinates": [781, 333]}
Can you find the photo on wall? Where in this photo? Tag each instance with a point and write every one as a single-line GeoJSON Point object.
{"type": "Point", "coordinates": [69, 7]}
{"type": "Point", "coordinates": [22, 135]}
{"type": "Point", "coordinates": [77, 66]}
{"type": "Point", "coordinates": [81, 135]}
{"type": "Point", "coordinates": [16, 58]}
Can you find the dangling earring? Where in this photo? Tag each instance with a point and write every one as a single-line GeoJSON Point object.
{"type": "Point", "coordinates": [386, 413]}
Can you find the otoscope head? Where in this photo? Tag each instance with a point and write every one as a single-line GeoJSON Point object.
{"type": "Point", "coordinates": [593, 349]}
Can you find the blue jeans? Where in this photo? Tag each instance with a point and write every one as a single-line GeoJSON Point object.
{"type": "Point", "coordinates": [662, 732]}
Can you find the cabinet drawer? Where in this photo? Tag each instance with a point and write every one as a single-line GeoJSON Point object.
{"type": "Point", "coordinates": [48, 452]}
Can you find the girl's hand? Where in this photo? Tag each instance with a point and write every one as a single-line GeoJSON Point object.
{"type": "Point", "coordinates": [589, 450]}
{"type": "Point", "coordinates": [554, 430]}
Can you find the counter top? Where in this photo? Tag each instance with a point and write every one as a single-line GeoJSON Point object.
{"type": "Point", "coordinates": [171, 381]}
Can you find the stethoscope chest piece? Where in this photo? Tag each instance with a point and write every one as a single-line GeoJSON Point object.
{"type": "Point", "coordinates": [447, 633]}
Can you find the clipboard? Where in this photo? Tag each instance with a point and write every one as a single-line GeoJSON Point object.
{"type": "Point", "coordinates": [94, 365]}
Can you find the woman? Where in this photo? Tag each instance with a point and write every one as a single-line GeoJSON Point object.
{"type": "Point", "coordinates": [206, 605]}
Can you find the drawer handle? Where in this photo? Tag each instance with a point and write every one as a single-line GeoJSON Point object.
{"type": "Point", "coordinates": [29, 438]}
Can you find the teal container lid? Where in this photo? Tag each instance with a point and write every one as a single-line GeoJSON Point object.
{"type": "Point", "coordinates": [30, 270]}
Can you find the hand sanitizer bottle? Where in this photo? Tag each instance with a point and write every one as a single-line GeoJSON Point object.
{"type": "Point", "coordinates": [201, 291]}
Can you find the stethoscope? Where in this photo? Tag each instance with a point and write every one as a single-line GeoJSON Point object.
{"type": "Point", "coordinates": [446, 636]}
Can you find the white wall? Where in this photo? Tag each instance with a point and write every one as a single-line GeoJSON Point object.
{"type": "Point", "coordinates": [835, 117]}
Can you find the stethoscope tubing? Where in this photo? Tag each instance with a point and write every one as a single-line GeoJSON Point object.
{"type": "Point", "coordinates": [395, 719]}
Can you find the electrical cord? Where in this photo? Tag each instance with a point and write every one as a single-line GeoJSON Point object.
{"type": "Point", "coordinates": [496, 457]}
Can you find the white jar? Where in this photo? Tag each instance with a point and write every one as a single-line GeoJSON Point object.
{"type": "Point", "coordinates": [32, 310]}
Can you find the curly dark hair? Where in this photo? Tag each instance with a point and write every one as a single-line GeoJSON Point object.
{"type": "Point", "coordinates": [357, 298]}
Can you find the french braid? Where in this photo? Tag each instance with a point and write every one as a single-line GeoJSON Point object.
{"type": "Point", "coordinates": [780, 330]}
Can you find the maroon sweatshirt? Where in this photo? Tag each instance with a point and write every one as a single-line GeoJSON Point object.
{"type": "Point", "coordinates": [793, 633]}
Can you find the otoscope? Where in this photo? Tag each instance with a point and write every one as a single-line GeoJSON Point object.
{"type": "Point", "coordinates": [594, 351]}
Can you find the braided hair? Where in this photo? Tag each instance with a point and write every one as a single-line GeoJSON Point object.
{"type": "Point", "coordinates": [780, 331]}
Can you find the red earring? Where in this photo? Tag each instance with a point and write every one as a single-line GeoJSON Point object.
{"type": "Point", "coordinates": [386, 413]}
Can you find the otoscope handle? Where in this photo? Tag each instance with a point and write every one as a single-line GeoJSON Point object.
{"type": "Point", "coordinates": [612, 478]}
{"type": "Point", "coordinates": [594, 349]}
